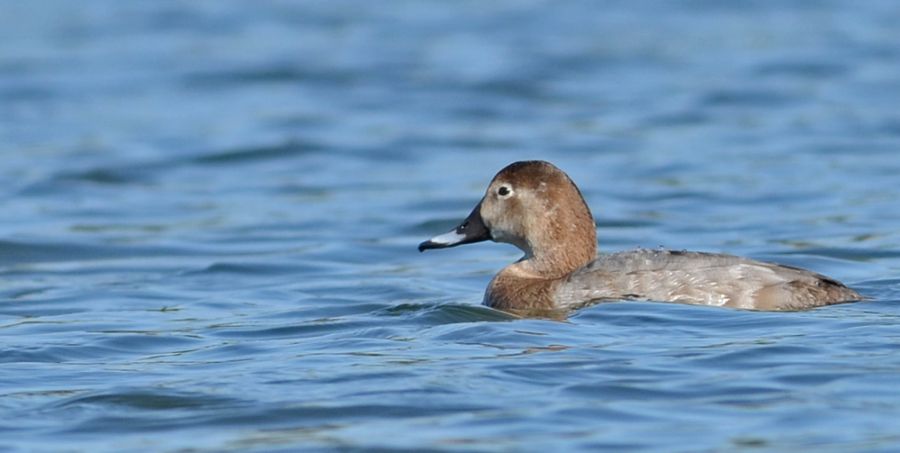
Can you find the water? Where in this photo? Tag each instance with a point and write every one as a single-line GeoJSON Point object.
{"type": "Point", "coordinates": [210, 213]}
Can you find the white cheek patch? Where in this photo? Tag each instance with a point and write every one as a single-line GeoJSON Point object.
{"type": "Point", "coordinates": [448, 238]}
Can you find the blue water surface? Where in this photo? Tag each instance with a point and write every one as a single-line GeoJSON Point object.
{"type": "Point", "coordinates": [209, 213]}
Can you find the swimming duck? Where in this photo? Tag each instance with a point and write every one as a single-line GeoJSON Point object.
{"type": "Point", "coordinates": [536, 207]}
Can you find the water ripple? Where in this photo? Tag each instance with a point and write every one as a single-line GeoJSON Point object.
{"type": "Point", "coordinates": [210, 213]}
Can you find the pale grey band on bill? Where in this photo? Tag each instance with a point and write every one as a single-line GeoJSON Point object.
{"type": "Point", "coordinates": [450, 238]}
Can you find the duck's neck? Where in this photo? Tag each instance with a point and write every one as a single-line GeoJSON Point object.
{"type": "Point", "coordinates": [557, 255]}
{"type": "Point", "coordinates": [531, 282]}
{"type": "Point", "coordinates": [552, 266]}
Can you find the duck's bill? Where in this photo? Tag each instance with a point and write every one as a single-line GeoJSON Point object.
{"type": "Point", "coordinates": [471, 230]}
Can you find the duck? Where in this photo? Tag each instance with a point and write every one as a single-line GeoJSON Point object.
{"type": "Point", "coordinates": [536, 207]}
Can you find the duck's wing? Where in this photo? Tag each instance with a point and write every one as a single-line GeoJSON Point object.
{"type": "Point", "coordinates": [702, 278]}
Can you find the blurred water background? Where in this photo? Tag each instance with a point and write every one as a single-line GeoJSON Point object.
{"type": "Point", "coordinates": [209, 213]}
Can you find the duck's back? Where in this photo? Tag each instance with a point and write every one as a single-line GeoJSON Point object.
{"type": "Point", "coordinates": [700, 278]}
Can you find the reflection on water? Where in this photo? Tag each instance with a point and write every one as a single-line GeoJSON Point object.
{"type": "Point", "coordinates": [210, 213]}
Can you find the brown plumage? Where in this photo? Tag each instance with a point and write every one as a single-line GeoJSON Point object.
{"type": "Point", "coordinates": [536, 207]}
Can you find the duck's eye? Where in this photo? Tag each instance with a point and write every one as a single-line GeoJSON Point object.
{"type": "Point", "coordinates": [503, 191]}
